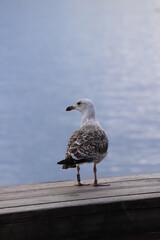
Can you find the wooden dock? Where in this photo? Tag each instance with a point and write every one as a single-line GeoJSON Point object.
{"type": "Point", "coordinates": [127, 209]}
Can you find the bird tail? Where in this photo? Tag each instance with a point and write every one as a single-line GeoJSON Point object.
{"type": "Point", "coordinates": [68, 163]}
{"type": "Point", "coordinates": [71, 163]}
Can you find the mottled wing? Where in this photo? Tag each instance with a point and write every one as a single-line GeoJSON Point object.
{"type": "Point", "coordinates": [89, 143]}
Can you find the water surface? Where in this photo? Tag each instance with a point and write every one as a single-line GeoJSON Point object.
{"type": "Point", "coordinates": [54, 52]}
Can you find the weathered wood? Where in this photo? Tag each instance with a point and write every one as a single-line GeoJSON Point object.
{"type": "Point", "coordinates": [61, 210]}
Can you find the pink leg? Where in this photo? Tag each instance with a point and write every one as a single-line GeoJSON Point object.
{"type": "Point", "coordinates": [95, 175]}
{"type": "Point", "coordinates": [78, 176]}
{"type": "Point", "coordinates": [95, 178]}
{"type": "Point", "coordinates": [79, 179]}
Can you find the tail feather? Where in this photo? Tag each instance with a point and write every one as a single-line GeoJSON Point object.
{"type": "Point", "coordinates": [68, 161]}
{"type": "Point", "coordinates": [66, 166]}
{"type": "Point", "coordinates": [71, 163]}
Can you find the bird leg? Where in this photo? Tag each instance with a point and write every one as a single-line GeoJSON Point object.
{"type": "Point", "coordinates": [96, 184]}
{"type": "Point", "coordinates": [79, 179]}
{"type": "Point", "coordinates": [95, 175]}
{"type": "Point", "coordinates": [78, 175]}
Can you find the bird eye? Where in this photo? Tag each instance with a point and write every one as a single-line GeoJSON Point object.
{"type": "Point", "coordinates": [78, 103]}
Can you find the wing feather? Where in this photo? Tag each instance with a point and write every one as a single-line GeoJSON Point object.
{"type": "Point", "coordinates": [89, 142]}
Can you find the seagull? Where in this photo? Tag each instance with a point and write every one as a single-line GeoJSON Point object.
{"type": "Point", "coordinates": [89, 144]}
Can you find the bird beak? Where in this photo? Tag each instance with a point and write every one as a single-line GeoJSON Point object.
{"type": "Point", "coordinates": [70, 108]}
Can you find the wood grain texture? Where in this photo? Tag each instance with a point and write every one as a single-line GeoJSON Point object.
{"type": "Point", "coordinates": [60, 210]}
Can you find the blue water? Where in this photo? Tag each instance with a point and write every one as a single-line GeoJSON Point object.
{"type": "Point", "coordinates": [54, 52]}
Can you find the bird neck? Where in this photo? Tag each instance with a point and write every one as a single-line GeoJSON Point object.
{"type": "Point", "coordinates": [88, 116]}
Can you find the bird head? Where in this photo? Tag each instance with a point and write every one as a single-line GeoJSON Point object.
{"type": "Point", "coordinates": [86, 107]}
{"type": "Point", "coordinates": [83, 105]}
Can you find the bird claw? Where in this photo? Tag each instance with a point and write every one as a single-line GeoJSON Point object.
{"type": "Point", "coordinates": [96, 184]}
{"type": "Point", "coordinates": [83, 184]}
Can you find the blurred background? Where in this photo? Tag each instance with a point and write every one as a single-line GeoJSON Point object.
{"type": "Point", "coordinates": [53, 53]}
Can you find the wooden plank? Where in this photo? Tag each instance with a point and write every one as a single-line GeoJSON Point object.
{"type": "Point", "coordinates": [114, 188]}
{"type": "Point", "coordinates": [62, 223]}
{"type": "Point", "coordinates": [130, 205]}
{"type": "Point", "coordinates": [36, 190]}
{"type": "Point", "coordinates": [77, 196]}
{"type": "Point", "coordinates": [67, 194]}
{"type": "Point", "coordinates": [119, 179]}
